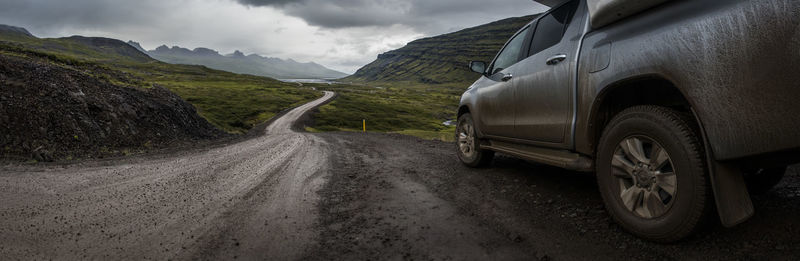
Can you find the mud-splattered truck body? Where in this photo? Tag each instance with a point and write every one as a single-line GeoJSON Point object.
{"type": "Point", "coordinates": [705, 90]}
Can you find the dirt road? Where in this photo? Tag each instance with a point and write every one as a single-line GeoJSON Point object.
{"type": "Point", "coordinates": [255, 200]}
{"type": "Point", "coordinates": [352, 196]}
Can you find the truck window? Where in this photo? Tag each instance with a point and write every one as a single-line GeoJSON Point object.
{"type": "Point", "coordinates": [551, 27]}
{"type": "Point", "coordinates": [510, 54]}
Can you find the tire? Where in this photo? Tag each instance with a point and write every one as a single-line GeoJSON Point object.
{"type": "Point", "coordinates": [468, 144]}
{"type": "Point", "coordinates": [761, 181]}
{"type": "Point", "coordinates": [671, 179]}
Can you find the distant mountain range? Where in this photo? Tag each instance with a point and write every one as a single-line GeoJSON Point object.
{"type": "Point", "coordinates": [238, 62]}
{"type": "Point", "coordinates": [88, 48]}
{"type": "Point", "coordinates": [443, 58]}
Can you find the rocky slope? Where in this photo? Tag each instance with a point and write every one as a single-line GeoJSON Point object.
{"type": "Point", "coordinates": [238, 62]}
{"type": "Point", "coordinates": [444, 58]}
{"type": "Point", "coordinates": [51, 110]}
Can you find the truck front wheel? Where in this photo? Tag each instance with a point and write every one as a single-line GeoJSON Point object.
{"type": "Point", "coordinates": [652, 175]}
{"type": "Point", "coordinates": [468, 144]}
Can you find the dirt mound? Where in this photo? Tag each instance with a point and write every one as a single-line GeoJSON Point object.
{"type": "Point", "coordinates": [50, 112]}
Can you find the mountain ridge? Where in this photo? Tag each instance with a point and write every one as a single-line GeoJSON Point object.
{"type": "Point", "coordinates": [239, 62]}
{"type": "Point", "coordinates": [443, 58]}
{"type": "Point", "coordinates": [14, 29]}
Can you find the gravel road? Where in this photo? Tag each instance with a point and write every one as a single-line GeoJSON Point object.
{"type": "Point", "coordinates": [346, 196]}
{"type": "Point", "coordinates": [255, 199]}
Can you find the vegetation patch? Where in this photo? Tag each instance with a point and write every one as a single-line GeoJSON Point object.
{"type": "Point", "coordinates": [232, 102]}
{"type": "Point", "coordinates": [415, 89]}
{"type": "Point", "coordinates": [419, 110]}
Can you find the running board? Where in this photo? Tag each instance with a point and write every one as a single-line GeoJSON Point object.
{"type": "Point", "coordinates": [559, 158]}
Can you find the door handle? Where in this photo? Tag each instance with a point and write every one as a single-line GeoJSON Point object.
{"type": "Point", "coordinates": [507, 77]}
{"type": "Point", "coordinates": [556, 59]}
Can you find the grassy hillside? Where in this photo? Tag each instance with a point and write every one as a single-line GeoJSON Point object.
{"type": "Point", "coordinates": [441, 59]}
{"type": "Point", "coordinates": [230, 101]}
{"type": "Point", "coordinates": [414, 89]}
{"type": "Point", "coordinates": [417, 110]}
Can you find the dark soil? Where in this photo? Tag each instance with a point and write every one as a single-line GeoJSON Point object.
{"type": "Point", "coordinates": [397, 197]}
{"type": "Point", "coordinates": [55, 112]}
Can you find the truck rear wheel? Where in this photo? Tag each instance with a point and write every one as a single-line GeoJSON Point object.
{"type": "Point", "coordinates": [468, 146]}
{"type": "Point", "coordinates": [652, 175]}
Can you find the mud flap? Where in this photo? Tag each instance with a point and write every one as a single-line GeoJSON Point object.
{"type": "Point", "coordinates": [730, 193]}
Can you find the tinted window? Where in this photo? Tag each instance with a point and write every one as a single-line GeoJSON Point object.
{"type": "Point", "coordinates": [551, 27]}
{"type": "Point", "coordinates": [510, 55]}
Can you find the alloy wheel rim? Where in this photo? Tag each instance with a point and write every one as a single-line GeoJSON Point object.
{"type": "Point", "coordinates": [646, 179]}
{"type": "Point", "coordinates": [466, 141]}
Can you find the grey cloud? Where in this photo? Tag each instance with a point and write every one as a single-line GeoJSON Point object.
{"type": "Point", "coordinates": [266, 2]}
{"type": "Point", "coordinates": [341, 13]}
{"type": "Point", "coordinates": [358, 29]}
{"type": "Point", "coordinates": [426, 16]}
{"type": "Point", "coordinates": [48, 15]}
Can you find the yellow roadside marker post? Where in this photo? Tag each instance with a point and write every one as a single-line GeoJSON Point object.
{"type": "Point", "coordinates": [364, 124]}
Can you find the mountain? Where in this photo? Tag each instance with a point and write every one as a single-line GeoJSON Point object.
{"type": "Point", "coordinates": [79, 97]}
{"type": "Point", "coordinates": [90, 48]}
{"type": "Point", "coordinates": [7, 29]}
{"type": "Point", "coordinates": [238, 62]}
{"type": "Point", "coordinates": [110, 46]}
{"type": "Point", "coordinates": [443, 58]}
{"type": "Point", "coordinates": [137, 46]}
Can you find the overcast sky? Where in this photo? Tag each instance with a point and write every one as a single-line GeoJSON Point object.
{"type": "Point", "coordinates": [340, 34]}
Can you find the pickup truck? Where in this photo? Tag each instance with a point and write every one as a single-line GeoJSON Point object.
{"type": "Point", "coordinates": [681, 108]}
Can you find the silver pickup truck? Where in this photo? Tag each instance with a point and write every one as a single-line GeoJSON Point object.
{"type": "Point", "coordinates": [681, 108]}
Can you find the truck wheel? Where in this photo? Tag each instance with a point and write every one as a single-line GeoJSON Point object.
{"type": "Point", "coordinates": [761, 181]}
{"type": "Point", "coordinates": [468, 145]}
{"type": "Point", "coordinates": [651, 173]}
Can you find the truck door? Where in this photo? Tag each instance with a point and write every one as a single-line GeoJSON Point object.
{"type": "Point", "coordinates": [544, 87]}
{"type": "Point", "coordinates": [495, 91]}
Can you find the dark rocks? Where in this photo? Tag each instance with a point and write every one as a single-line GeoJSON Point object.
{"type": "Point", "coordinates": [49, 112]}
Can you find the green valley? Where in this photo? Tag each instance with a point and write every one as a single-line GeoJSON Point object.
{"type": "Point", "coordinates": [417, 110]}
{"type": "Point", "coordinates": [232, 102]}
{"type": "Point", "coordinates": [415, 89]}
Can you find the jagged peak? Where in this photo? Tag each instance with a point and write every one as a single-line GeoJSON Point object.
{"type": "Point", "coordinates": [237, 53]}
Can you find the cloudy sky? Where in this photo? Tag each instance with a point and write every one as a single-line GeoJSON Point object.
{"type": "Point", "coordinates": [341, 34]}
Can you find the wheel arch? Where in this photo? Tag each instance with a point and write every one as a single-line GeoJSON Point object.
{"type": "Point", "coordinates": [461, 110]}
{"type": "Point", "coordinates": [465, 108]}
{"type": "Point", "coordinates": [648, 89]}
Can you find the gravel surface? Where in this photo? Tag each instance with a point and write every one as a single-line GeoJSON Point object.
{"type": "Point", "coordinates": [345, 196]}
{"type": "Point", "coordinates": [254, 200]}
{"type": "Point", "coordinates": [398, 197]}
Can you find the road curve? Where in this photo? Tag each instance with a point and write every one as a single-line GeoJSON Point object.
{"type": "Point", "coordinates": [345, 196]}
{"type": "Point", "coordinates": [255, 199]}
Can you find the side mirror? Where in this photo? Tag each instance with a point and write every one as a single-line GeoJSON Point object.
{"type": "Point", "coordinates": [478, 67]}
